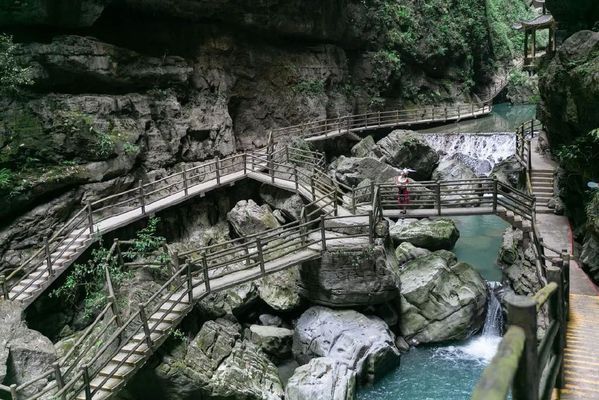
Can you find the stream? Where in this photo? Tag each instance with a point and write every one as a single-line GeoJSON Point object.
{"type": "Point", "coordinates": [451, 370]}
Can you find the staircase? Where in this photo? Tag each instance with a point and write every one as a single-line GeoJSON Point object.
{"type": "Point", "coordinates": [542, 189]}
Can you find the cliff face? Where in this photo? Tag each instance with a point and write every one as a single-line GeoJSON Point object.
{"type": "Point", "coordinates": [129, 89]}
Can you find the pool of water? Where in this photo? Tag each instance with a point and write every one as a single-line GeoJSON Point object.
{"type": "Point", "coordinates": [450, 371]}
{"type": "Point", "coordinates": [504, 118]}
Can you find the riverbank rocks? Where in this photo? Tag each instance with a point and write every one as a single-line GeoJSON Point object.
{"type": "Point", "coordinates": [323, 378]}
{"type": "Point", "coordinates": [274, 341]}
{"type": "Point", "coordinates": [432, 234]}
{"type": "Point", "coordinates": [518, 265]}
{"type": "Point", "coordinates": [348, 277]}
{"type": "Point", "coordinates": [218, 364]}
{"type": "Point", "coordinates": [364, 344]}
{"type": "Point", "coordinates": [406, 252]}
{"type": "Point", "coordinates": [450, 169]}
{"type": "Point", "coordinates": [10, 320]}
{"type": "Point", "coordinates": [353, 170]}
{"type": "Point", "coordinates": [440, 299]}
{"type": "Point", "coordinates": [405, 149]}
{"type": "Point", "coordinates": [248, 218]}
{"type": "Point", "coordinates": [281, 290]}
{"type": "Point", "coordinates": [510, 172]}
{"type": "Point", "coordinates": [364, 148]}
{"type": "Point", "coordinates": [290, 204]}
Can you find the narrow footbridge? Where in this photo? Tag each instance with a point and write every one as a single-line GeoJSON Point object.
{"type": "Point", "coordinates": [335, 216]}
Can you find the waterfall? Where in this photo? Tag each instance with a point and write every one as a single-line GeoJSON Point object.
{"type": "Point", "coordinates": [480, 151]}
{"type": "Point", "coordinates": [494, 320]}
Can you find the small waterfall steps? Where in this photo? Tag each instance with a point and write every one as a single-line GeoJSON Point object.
{"type": "Point", "coordinates": [494, 319]}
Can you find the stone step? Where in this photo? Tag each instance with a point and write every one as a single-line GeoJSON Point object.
{"type": "Point", "coordinates": [161, 327]}
{"type": "Point", "coordinates": [113, 369]}
{"type": "Point", "coordinates": [541, 174]}
{"type": "Point", "coordinates": [129, 359]}
{"type": "Point", "coordinates": [109, 385]}
{"type": "Point", "coordinates": [543, 210]}
{"type": "Point", "coordinates": [542, 189]}
{"type": "Point", "coordinates": [541, 179]}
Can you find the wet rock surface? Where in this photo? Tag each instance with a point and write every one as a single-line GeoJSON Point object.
{"type": "Point", "coordinates": [323, 378]}
{"type": "Point", "coordinates": [431, 234]}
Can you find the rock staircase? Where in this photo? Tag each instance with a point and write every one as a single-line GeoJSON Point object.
{"type": "Point", "coordinates": [542, 181]}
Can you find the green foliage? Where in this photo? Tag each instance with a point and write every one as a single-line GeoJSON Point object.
{"type": "Point", "coordinates": [24, 143]}
{"type": "Point", "coordinates": [12, 75]}
{"type": "Point", "coordinates": [592, 211]}
{"type": "Point", "coordinates": [147, 242]}
{"type": "Point", "coordinates": [582, 154]}
{"type": "Point", "coordinates": [178, 335]}
{"type": "Point", "coordinates": [502, 14]}
{"type": "Point", "coordinates": [309, 87]}
{"type": "Point", "coordinates": [6, 178]}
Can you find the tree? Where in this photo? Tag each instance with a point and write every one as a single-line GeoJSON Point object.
{"type": "Point", "coordinates": [12, 74]}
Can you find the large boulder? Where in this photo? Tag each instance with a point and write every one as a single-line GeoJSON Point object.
{"type": "Point", "coordinates": [432, 234]}
{"type": "Point", "coordinates": [451, 169]}
{"type": "Point", "coordinates": [218, 364]}
{"type": "Point", "coordinates": [10, 320]}
{"type": "Point", "coordinates": [364, 343]}
{"type": "Point", "coordinates": [236, 300]}
{"type": "Point", "coordinates": [248, 218]}
{"type": "Point", "coordinates": [348, 277]}
{"type": "Point", "coordinates": [281, 290]}
{"type": "Point", "coordinates": [590, 255]}
{"type": "Point", "coordinates": [406, 252]}
{"type": "Point", "coordinates": [274, 341]}
{"type": "Point", "coordinates": [405, 149]}
{"type": "Point", "coordinates": [323, 378]}
{"type": "Point", "coordinates": [289, 203]}
{"type": "Point", "coordinates": [31, 355]}
{"type": "Point", "coordinates": [364, 148]}
{"type": "Point", "coordinates": [440, 299]}
{"type": "Point", "coordinates": [509, 172]}
{"type": "Point", "coordinates": [353, 170]}
{"type": "Point", "coordinates": [518, 264]}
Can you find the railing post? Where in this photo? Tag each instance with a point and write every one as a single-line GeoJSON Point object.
{"type": "Point", "coordinates": [323, 235]}
{"type": "Point", "coordinates": [119, 255]}
{"type": "Point", "coordinates": [336, 211]}
{"type": "Point", "coordinates": [458, 112]}
{"type": "Point", "coordinates": [59, 380]}
{"type": "Point", "coordinates": [433, 114]}
{"type": "Point", "coordinates": [353, 199]}
{"type": "Point", "coordinates": [90, 217]}
{"type": "Point", "coordinates": [246, 249]}
{"type": "Point", "coordinates": [144, 321]}
{"type": "Point", "coordinates": [296, 178]}
{"type": "Point", "coordinates": [438, 193]}
{"type": "Point", "coordinates": [4, 287]}
{"type": "Point", "coordinates": [312, 187]}
{"type": "Point", "coordinates": [142, 201]}
{"type": "Point", "coordinates": [566, 275]}
{"type": "Point", "coordinates": [13, 392]}
{"type": "Point", "coordinates": [217, 167]}
{"type": "Point", "coordinates": [556, 304]}
{"type": "Point", "coordinates": [260, 255]}
{"type": "Point", "coordinates": [446, 114]}
{"type": "Point", "coordinates": [370, 227]}
{"type": "Point", "coordinates": [522, 312]}
{"type": "Point", "coordinates": [205, 272]}
{"type": "Point", "coordinates": [175, 261]}
{"type": "Point", "coordinates": [115, 311]}
{"type": "Point", "coordinates": [48, 256]}
{"type": "Point", "coordinates": [189, 284]}
{"type": "Point", "coordinates": [245, 162]}
{"type": "Point", "coordinates": [185, 184]}
{"type": "Point", "coordinates": [86, 382]}
{"type": "Point", "coordinates": [286, 153]}
{"type": "Point", "coordinates": [495, 188]}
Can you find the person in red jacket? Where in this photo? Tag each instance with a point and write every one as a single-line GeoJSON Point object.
{"type": "Point", "coordinates": [403, 196]}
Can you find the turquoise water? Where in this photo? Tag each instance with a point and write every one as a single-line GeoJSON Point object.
{"type": "Point", "coordinates": [504, 118]}
{"type": "Point", "coordinates": [449, 372]}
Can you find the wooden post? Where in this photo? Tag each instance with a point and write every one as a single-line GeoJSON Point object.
{"type": "Point", "coordinates": [59, 380]}
{"type": "Point", "coordinates": [86, 381]}
{"type": "Point", "coordinates": [566, 275]}
{"type": "Point", "coordinates": [48, 256]}
{"type": "Point", "coordinates": [189, 284]}
{"type": "Point", "coordinates": [525, 47]}
{"type": "Point", "coordinates": [495, 188]}
{"type": "Point", "coordinates": [115, 310]}
{"type": "Point", "coordinates": [3, 286]}
{"type": "Point", "coordinates": [353, 199]}
{"type": "Point", "coordinates": [248, 261]}
{"type": "Point", "coordinates": [438, 192]}
{"type": "Point", "coordinates": [217, 167]}
{"type": "Point", "coordinates": [175, 261]}
{"type": "Point", "coordinates": [323, 236]}
{"type": "Point", "coordinates": [260, 255]}
{"type": "Point", "coordinates": [185, 184]}
{"type": "Point", "coordinates": [534, 44]}
{"type": "Point", "coordinates": [119, 255]}
{"type": "Point", "coordinates": [433, 114]}
{"type": "Point", "coordinates": [90, 217]}
{"type": "Point", "coordinates": [144, 321]}
{"type": "Point", "coordinates": [296, 179]}
{"type": "Point", "coordinates": [522, 312]}
{"type": "Point", "coordinates": [556, 306]}
{"type": "Point", "coordinates": [245, 163]}
{"type": "Point", "coordinates": [142, 201]}
{"type": "Point", "coordinates": [205, 272]}
{"type": "Point", "coordinates": [335, 210]}
{"type": "Point", "coordinates": [286, 153]}
{"type": "Point", "coordinates": [312, 187]}
{"type": "Point", "coordinates": [370, 227]}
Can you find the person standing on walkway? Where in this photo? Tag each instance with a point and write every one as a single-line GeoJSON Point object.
{"type": "Point", "coordinates": [403, 195]}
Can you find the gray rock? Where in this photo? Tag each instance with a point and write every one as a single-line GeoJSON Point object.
{"type": "Point", "coordinates": [31, 355]}
{"type": "Point", "coordinates": [235, 300]}
{"type": "Point", "coordinates": [323, 378]}
{"type": "Point", "coordinates": [10, 320]}
{"type": "Point", "coordinates": [289, 203]}
{"type": "Point", "coordinates": [364, 148]}
{"type": "Point", "coordinates": [590, 255]}
{"type": "Point", "coordinates": [402, 345]}
{"type": "Point", "coordinates": [352, 170]}
{"type": "Point", "coordinates": [274, 341]}
{"type": "Point", "coordinates": [248, 218]}
{"type": "Point", "coordinates": [454, 169]}
{"type": "Point", "coordinates": [510, 172]}
{"type": "Point", "coordinates": [440, 301]}
{"type": "Point", "coordinates": [432, 234]}
{"type": "Point", "coordinates": [348, 277]}
{"type": "Point", "coordinates": [518, 265]}
{"type": "Point", "coordinates": [270, 320]}
{"type": "Point", "coordinates": [406, 251]}
{"type": "Point", "coordinates": [281, 290]}
{"type": "Point", "coordinates": [279, 216]}
{"type": "Point", "coordinates": [405, 149]}
{"type": "Point", "coordinates": [364, 343]}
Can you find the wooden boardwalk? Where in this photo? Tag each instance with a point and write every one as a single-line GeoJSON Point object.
{"type": "Point", "coordinates": [581, 359]}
